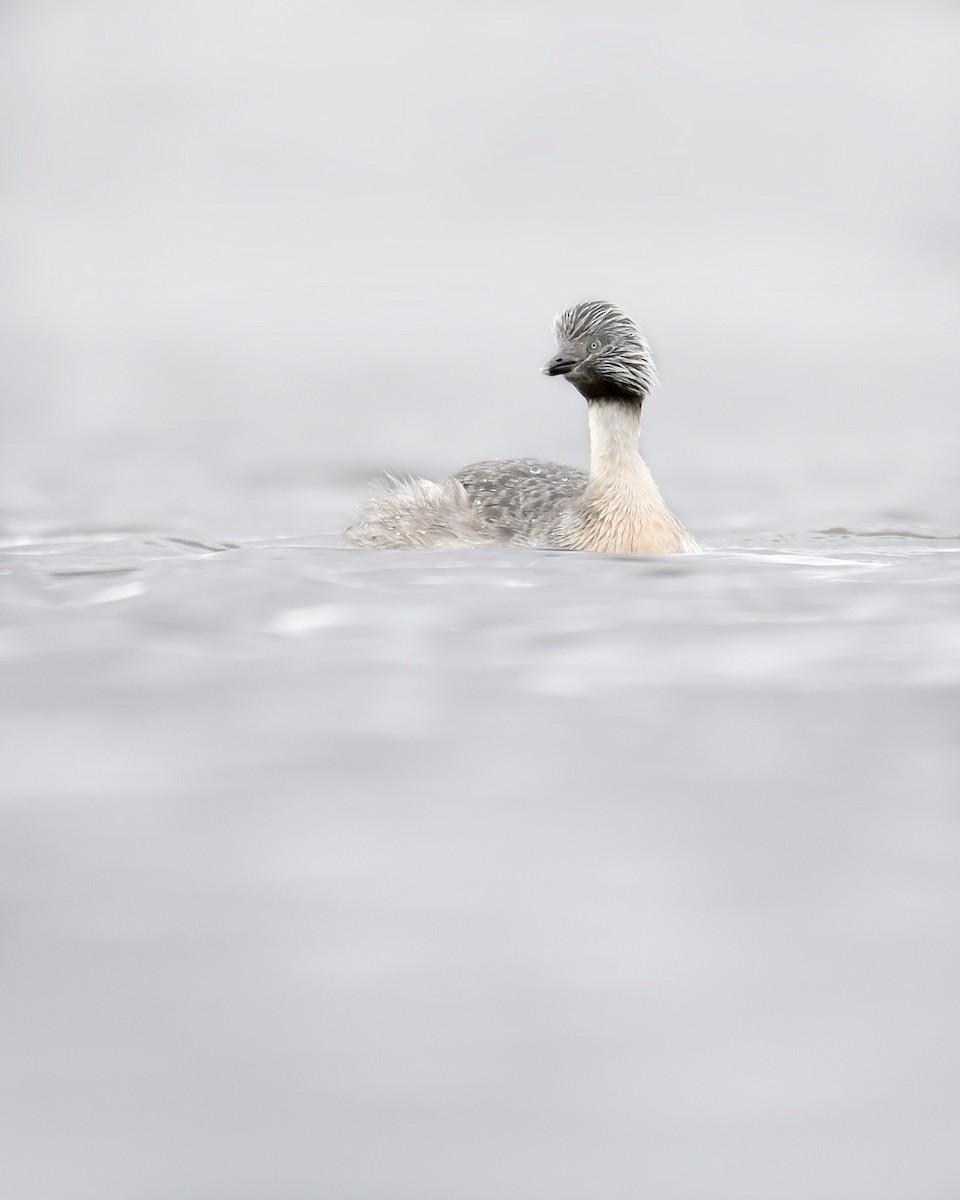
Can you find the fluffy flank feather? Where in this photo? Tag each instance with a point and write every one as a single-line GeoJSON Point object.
{"type": "Point", "coordinates": [417, 514]}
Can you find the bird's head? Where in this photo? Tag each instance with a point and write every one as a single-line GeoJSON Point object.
{"type": "Point", "coordinates": [602, 352]}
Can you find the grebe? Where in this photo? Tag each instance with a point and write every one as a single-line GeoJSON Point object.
{"type": "Point", "coordinates": [616, 508]}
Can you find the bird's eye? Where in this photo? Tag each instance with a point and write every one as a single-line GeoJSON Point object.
{"type": "Point", "coordinates": [594, 345]}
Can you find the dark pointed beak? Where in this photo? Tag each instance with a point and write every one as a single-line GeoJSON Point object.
{"type": "Point", "coordinates": [560, 364]}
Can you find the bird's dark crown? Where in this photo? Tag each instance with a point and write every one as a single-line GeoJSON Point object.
{"type": "Point", "coordinates": [603, 353]}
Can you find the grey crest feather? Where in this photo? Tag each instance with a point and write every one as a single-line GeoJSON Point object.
{"type": "Point", "coordinates": [625, 359]}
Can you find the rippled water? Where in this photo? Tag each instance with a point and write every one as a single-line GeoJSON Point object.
{"type": "Point", "coordinates": [509, 873]}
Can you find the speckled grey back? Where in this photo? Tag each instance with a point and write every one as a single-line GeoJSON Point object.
{"type": "Point", "coordinates": [525, 498]}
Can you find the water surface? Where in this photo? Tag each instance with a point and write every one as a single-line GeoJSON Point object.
{"type": "Point", "coordinates": [486, 873]}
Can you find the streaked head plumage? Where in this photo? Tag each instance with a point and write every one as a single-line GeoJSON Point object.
{"type": "Point", "coordinates": [603, 353]}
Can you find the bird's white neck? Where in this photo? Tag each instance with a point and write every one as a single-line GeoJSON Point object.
{"type": "Point", "coordinates": [614, 437]}
{"type": "Point", "coordinates": [621, 509]}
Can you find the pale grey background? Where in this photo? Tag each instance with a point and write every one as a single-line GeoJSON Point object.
{"type": "Point", "coordinates": [491, 875]}
{"type": "Point", "coordinates": [328, 238]}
